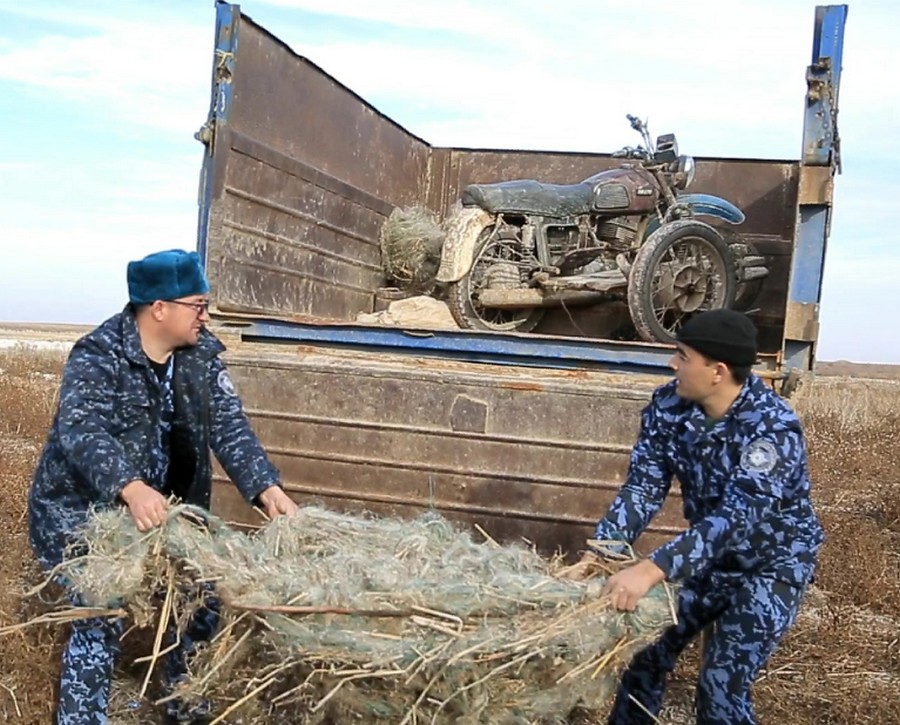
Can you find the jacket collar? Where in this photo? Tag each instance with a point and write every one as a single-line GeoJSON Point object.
{"type": "Point", "coordinates": [131, 338]}
{"type": "Point", "coordinates": [742, 407]}
{"type": "Point", "coordinates": [208, 345]}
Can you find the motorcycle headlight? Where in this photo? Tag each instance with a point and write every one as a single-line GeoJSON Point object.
{"type": "Point", "coordinates": [686, 170]}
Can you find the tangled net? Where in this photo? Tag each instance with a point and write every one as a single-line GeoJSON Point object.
{"type": "Point", "coordinates": [411, 239]}
{"type": "Point", "coordinates": [331, 617]}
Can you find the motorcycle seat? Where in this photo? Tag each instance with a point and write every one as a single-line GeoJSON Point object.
{"type": "Point", "coordinates": [530, 197]}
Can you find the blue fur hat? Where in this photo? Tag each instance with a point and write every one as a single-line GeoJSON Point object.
{"type": "Point", "coordinates": [166, 276]}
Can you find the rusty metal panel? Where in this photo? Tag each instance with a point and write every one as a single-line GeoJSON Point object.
{"type": "Point", "coordinates": [300, 193]}
{"type": "Point", "coordinates": [522, 452]}
{"type": "Point", "coordinates": [816, 185]}
{"type": "Point", "coordinates": [286, 102]}
{"type": "Point", "coordinates": [802, 321]}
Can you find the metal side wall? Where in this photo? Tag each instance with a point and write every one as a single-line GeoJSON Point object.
{"type": "Point", "coordinates": [524, 453]}
{"type": "Point", "coordinates": [301, 175]}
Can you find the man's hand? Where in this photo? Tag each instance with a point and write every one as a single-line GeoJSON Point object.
{"type": "Point", "coordinates": [275, 501]}
{"type": "Point", "coordinates": [580, 570]}
{"type": "Point", "coordinates": [146, 505]}
{"type": "Point", "coordinates": [630, 585]}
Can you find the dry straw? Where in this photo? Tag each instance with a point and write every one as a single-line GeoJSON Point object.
{"type": "Point", "coordinates": [331, 617]}
{"type": "Point", "coordinates": [411, 240]}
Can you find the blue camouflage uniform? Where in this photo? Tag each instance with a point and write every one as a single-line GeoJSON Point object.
{"type": "Point", "coordinates": [747, 557]}
{"type": "Point", "coordinates": [118, 421]}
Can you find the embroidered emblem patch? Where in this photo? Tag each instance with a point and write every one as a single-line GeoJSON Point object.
{"type": "Point", "coordinates": [759, 457]}
{"type": "Point", "coordinates": [225, 383]}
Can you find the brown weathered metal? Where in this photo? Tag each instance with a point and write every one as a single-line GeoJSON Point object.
{"type": "Point", "coordinates": [300, 194]}
{"type": "Point", "coordinates": [816, 185]}
{"type": "Point", "coordinates": [524, 453]}
{"type": "Point", "coordinates": [802, 321]}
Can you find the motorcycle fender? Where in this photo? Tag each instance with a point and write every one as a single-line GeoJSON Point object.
{"type": "Point", "coordinates": [714, 206]}
{"type": "Point", "coordinates": [463, 230]}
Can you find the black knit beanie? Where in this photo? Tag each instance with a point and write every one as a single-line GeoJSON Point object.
{"type": "Point", "coordinates": [721, 335]}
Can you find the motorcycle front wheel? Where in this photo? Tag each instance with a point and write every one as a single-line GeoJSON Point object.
{"type": "Point", "coordinates": [684, 268]}
{"type": "Point", "coordinates": [499, 260]}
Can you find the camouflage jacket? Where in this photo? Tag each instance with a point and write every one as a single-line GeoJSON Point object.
{"type": "Point", "coordinates": [105, 432]}
{"type": "Point", "coordinates": [744, 483]}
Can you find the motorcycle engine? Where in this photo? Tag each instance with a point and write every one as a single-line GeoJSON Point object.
{"type": "Point", "coordinates": [619, 232]}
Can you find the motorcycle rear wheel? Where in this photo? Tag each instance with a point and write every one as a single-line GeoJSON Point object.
{"type": "Point", "coordinates": [499, 254]}
{"type": "Point", "coordinates": [684, 268]}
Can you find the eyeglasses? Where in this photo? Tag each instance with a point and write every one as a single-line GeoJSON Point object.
{"type": "Point", "coordinates": [199, 307]}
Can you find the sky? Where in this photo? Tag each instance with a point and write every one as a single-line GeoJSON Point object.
{"type": "Point", "coordinates": [100, 100]}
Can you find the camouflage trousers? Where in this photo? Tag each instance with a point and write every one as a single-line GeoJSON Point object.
{"type": "Point", "coordinates": [751, 615]}
{"type": "Point", "coordinates": [89, 659]}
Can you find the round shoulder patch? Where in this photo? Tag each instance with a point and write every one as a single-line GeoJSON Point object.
{"type": "Point", "coordinates": [226, 384]}
{"type": "Point", "coordinates": [760, 456]}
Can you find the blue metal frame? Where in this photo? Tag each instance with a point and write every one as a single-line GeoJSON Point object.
{"type": "Point", "coordinates": [821, 148]}
{"type": "Point", "coordinates": [493, 348]}
{"type": "Point", "coordinates": [820, 139]}
{"type": "Point", "coordinates": [809, 253]}
{"type": "Point", "coordinates": [227, 24]}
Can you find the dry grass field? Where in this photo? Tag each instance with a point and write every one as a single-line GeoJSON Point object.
{"type": "Point", "coordinates": [840, 664]}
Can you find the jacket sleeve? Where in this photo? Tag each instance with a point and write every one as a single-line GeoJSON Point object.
{"type": "Point", "coordinates": [85, 423]}
{"type": "Point", "coordinates": [754, 492]}
{"type": "Point", "coordinates": [233, 441]}
{"type": "Point", "coordinates": [646, 485]}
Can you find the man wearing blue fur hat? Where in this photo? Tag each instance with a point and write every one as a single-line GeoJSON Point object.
{"type": "Point", "coordinates": [144, 398]}
{"type": "Point", "coordinates": [750, 551]}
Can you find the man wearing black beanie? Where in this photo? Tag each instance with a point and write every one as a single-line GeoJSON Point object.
{"type": "Point", "coordinates": [746, 560]}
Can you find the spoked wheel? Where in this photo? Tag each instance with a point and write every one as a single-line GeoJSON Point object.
{"type": "Point", "coordinates": [685, 267]}
{"type": "Point", "coordinates": [500, 262]}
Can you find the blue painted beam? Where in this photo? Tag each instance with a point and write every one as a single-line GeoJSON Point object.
{"type": "Point", "coordinates": [809, 253]}
{"type": "Point", "coordinates": [227, 23]}
{"type": "Point", "coordinates": [821, 148]}
{"type": "Point", "coordinates": [492, 348]}
{"type": "Point", "coordinates": [823, 77]}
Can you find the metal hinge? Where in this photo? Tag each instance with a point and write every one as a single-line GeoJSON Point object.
{"type": "Point", "coordinates": [207, 133]}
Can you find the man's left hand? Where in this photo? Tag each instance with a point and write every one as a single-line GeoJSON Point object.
{"type": "Point", "coordinates": [630, 585]}
{"type": "Point", "coordinates": [276, 502]}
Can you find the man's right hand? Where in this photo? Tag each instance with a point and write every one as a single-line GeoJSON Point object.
{"type": "Point", "coordinates": [146, 505]}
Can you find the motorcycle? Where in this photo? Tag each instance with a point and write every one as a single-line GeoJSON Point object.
{"type": "Point", "coordinates": [518, 247]}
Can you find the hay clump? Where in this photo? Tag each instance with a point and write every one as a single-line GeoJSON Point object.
{"type": "Point", "coordinates": [411, 240]}
{"type": "Point", "coordinates": [330, 617]}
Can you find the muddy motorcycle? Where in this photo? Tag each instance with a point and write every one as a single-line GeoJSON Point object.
{"type": "Point", "coordinates": [518, 247]}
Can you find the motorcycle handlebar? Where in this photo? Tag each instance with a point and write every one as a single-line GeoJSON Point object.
{"type": "Point", "coordinates": [631, 153]}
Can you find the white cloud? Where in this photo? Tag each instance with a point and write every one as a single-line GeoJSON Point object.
{"type": "Point", "coordinates": [458, 16]}
{"type": "Point", "coordinates": [125, 74]}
